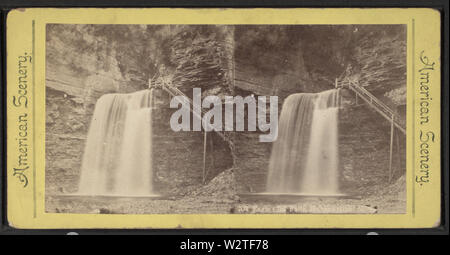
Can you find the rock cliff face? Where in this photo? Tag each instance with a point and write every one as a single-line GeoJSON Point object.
{"type": "Point", "coordinates": [84, 63]}
{"type": "Point", "coordinates": [364, 140]}
{"type": "Point", "coordinates": [79, 69]}
{"type": "Point", "coordinates": [66, 129]}
{"type": "Point", "coordinates": [178, 156]}
{"type": "Point", "coordinates": [82, 66]}
{"type": "Point", "coordinates": [308, 59]}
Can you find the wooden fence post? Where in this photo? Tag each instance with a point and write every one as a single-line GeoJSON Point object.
{"type": "Point", "coordinates": [204, 156]}
{"type": "Point", "coordinates": [399, 156]}
{"type": "Point", "coordinates": [390, 148]}
{"type": "Point", "coordinates": [211, 149]}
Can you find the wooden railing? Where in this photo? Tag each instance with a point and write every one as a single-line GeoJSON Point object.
{"type": "Point", "coordinates": [174, 91]}
{"type": "Point", "coordinates": [382, 109]}
{"type": "Point", "coordinates": [374, 102]}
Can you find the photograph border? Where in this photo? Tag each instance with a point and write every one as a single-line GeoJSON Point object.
{"type": "Point", "coordinates": [34, 210]}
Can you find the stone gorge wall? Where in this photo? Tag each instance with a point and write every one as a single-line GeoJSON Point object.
{"type": "Point", "coordinates": [178, 156]}
{"type": "Point", "coordinates": [364, 138]}
{"type": "Point", "coordinates": [75, 79]}
{"type": "Point", "coordinates": [80, 68]}
{"type": "Point", "coordinates": [295, 59]}
{"type": "Point", "coordinates": [66, 130]}
{"type": "Point", "coordinates": [364, 149]}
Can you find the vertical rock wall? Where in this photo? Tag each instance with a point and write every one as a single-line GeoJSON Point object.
{"type": "Point", "coordinates": [66, 129]}
{"type": "Point", "coordinates": [211, 58]}
{"type": "Point", "coordinates": [81, 67]}
{"type": "Point", "coordinates": [178, 156]}
{"type": "Point", "coordinates": [364, 140]}
{"type": "Point", "coordinates": [364, 144]}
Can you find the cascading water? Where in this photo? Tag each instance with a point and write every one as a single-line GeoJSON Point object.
{"type": "Point", "coordinates": [304, 158]}
{"type": "Point", "coordinates": [117, 160]}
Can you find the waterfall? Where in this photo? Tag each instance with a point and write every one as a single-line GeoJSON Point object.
{"type": "Point", "coordinates": [304, 158]}
{"type": "Point", "coordinates": [117, 159]}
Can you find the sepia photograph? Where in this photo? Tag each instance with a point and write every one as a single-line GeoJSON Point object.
{"type": "Point", "coordinates": [225, 119]}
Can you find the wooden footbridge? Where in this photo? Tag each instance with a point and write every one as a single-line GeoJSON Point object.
{"type": "Point", "coordinates": [380, 107]}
